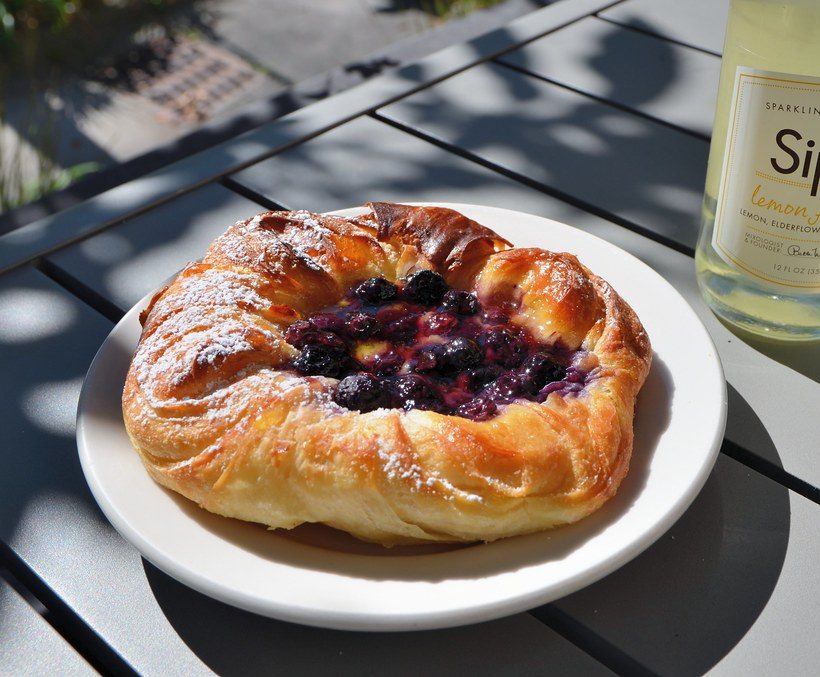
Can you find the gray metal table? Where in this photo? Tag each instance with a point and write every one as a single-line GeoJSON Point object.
{"type": "Point", "coordinates": [590, 112]}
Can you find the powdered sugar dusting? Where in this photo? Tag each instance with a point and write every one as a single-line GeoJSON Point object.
{"type": "Point", "coordinates": [162, 358]}
{"type": "Point", "coordinates": [397, 469]}
{"type": "Point", "coordinates": [212, 314]}
{"type": "Point", "coordinates": [453, 490]}
{"type": "Point", "coordinates": [207, 317]}
{"type": "Point", "coordinates": [309, 220]}
{"type": "Point", "coordinates": [219, 287]}
{"type": "Point", "coordinates": [221, 346]}
{"type": "Point", "coordinates": [311, 240]}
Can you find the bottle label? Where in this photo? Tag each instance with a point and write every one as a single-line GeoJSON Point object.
{"type": "Point", "coordinates": [767, 217]}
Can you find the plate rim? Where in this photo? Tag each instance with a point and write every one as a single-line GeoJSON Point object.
{"type": "Point", "coordinates": [393, 620]}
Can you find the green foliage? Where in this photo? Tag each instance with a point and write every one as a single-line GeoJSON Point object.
{"type": "Point", "coordinates": [21, 17]}
{"type": "Point", "coordinates": [17, 16]}
{"type": "Point", "coordinates": [47, 182]}
{"type": "Point", "coordinates": [43, 42]}
{"type": "Point", "coordinates": [447, 9]}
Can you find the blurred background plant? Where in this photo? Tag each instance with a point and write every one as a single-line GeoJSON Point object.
{"type": "Point", "coordinates": [446, 9]}
{"type": "Point", "coordinates": [87, 85]}
{"type": "Point", "coordinates": [42, 42]}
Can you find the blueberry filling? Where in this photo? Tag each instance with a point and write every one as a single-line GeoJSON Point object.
{"type": "Point", "coordinates": [387, 363]}
{"type": "Point", "coordinates": [502, 346]}
{"type": "Point", "coordinates": [424, 287]}
{"type": "Point", "coordinates": [361, 326]}
{"type": "Point", "coordinates": [440, 323]}
{"type": "Point", "coordinates": [363, 392]}
{"type": "Point", "coordinates": [418, 345]}
{"type": "Point", "coordinates": [462, 353]}
{"type": "Point", "coordinates": [411, 391]}
{"type": "Point", "coordinates": [461, 302]}
{"type": "Point", "coordinates": [428, 358]}
{"type": "Point", "coordinates": [375, 290]}
{"type": "Point", "coordinates": [320, 360]}
{"type": "Point", "coordinates": [479, 377]}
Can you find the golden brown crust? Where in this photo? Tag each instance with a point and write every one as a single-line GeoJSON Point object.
{"type": "Point", "coordinates": [215, 417]}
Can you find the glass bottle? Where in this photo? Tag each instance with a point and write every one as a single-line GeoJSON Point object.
{"type": "Point", "coordinates": [758, 254]}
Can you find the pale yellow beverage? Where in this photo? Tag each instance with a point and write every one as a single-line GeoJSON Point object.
{"type": "Point", "coordinates": [760, 268]}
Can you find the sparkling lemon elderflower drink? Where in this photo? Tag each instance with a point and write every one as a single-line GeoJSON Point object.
{"type": "Point", "coordinates": [758, 254]}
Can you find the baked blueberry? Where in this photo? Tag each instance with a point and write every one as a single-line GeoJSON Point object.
{"type": "Point", "coordinates": [403, 329]}
{"type": "Point", "coordinates": [505, 388]}
{"type": "Point", "coordinates": [320, 360]}
{"type": "Point", "coordinates": [324, 338]}
{"type": "Point", "coordinates": [375, 290]}
{"type": "Point", "coordinates": [494, 316]}
{"type": "Point", "coordinates": [478, 377]}
{"type": "Point", "coordinates": [362, 392]}
{"type": "Point", "coordinates": [387, 363]}
{"type": "Point", "coordinates": [327, 322]}
{"type": "Point", "coordinates": [429, 358]}
{"type": "Point", "coordinates": [538, 370]}
{"type": "Point", "coordinates": [411, 391]}
{"type": "Point", "coordinates": [296, 332]}
{"type": "Point", "coordinates": [555, 386]}
{"type": "Point", "coordinates": [425, 287]}
{"type": "Point", "coordinates": [477, 409]}
{"type": "Point", "coordinates": [361, 326]}
{"type": "Point", "coordinates": [574, 375]}
{"type": "Point", "coordinates": [440, 323]}
{"type": "Point", "coordinates": [385, 316]}
{"type": "Point", "coordinates": [462, 353]}
{"type": "Point", "coordinates": [502, 347]}
{"type": "Point", "coordinates": [461, 302]}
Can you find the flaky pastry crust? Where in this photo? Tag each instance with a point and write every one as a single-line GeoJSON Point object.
{"type": "Point", "coordinates": [217, 416]}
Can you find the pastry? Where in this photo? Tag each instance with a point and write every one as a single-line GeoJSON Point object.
{"type": "Point", "coordinates": [406, 376]}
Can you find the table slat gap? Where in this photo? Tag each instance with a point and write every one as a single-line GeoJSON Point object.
{"type": "Point", "coordinates": [251, 194]}
{"type": "Point", "coordinates": [65, 621]}
{"type": "Point", "coordinates": [600, 99]}
{"type": "Point", "coordinates": [537, 185]}
{"type": "Point", "coordinates": [31, 600]}
{"type": "Point", "coordinates": [661, 36]}
{"type": "Point", "coordinates": [768, 469]}
{"type": "Point", "coordinates": [88, 296]}
{"type": "Point", "coordinates": [595, 645]}
{"type": "Point", "coordinates": [29, 645]}
{"type": "Point", "coordinates": [697, 23]}
{"type": "Point", "coordinates": [677, 84]}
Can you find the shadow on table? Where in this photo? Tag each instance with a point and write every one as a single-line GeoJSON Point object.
{"type": "Point", "coordinates": [802, 356]}
{"type": "Point", "coordinates": [47, 340]}
{"type": "Point", "coordinates": [747, 431]}
{"type": "Point", "coordinates": [679, 608]}
{"type": "Point", "coordinates": [235, 642]}
{"type": "Point", "coordinates": [683, 605]}
{"type": "Point", "coordinates": [579, 147]}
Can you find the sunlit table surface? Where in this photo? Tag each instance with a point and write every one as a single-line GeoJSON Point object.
{"type": "Point", "coordinates": [590, 112]}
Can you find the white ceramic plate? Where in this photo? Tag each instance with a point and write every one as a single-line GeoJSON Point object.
{"type": "Point", "coordinates": [318, 576]}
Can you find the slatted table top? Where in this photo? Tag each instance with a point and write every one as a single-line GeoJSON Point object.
{"type": "Point", "coordinates": [591, 112]}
